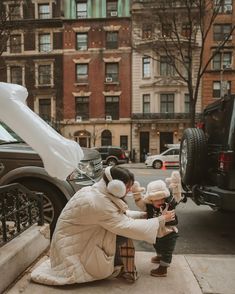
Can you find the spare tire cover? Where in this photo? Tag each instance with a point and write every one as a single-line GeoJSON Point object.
{"type": "Point", "coordinates": [193, 150]}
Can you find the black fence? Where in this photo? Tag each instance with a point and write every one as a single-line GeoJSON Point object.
{"type": "Point", "coordinates": [20, 208]}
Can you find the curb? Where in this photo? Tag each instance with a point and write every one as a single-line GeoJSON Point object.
{"type": "Point", "coordinates": [21, 252]}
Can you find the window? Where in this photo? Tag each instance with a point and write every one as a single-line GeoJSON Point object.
{"type": "Point", "coordinates": [44, 42]}
{"type": "Point", "coordinates": [45, 109]}
{"type": "Point", "coordinates": [111, 72]}
{"type": "Point", "coordinates": [111, 8]}
{"type": "Point", "coordinates": [166, 69]}
{"type": "Point", "coordinates": [81, 9]}
{"type": "Point", "coordinates": [221, 31]}
{"type": "Point", "coordinates": [124, 142]}
{"type": "Point", "coordinates": [112, 40]}
{"type": "Point", "coordinates": [16, 76]}
{"type": "Point", "coordinates": [14, 12]}
{"type": "Point", "coordinates": [44, 11]}
{"type": "Point", "coordinates": [44, 74]}
{"type": "Point", "coordinates": [218, 92]}
{"type": "Point", "coordinates": [146, 67]}
{"type": "Point", "coordinates": [147, 31]}
{"type": "Point", "coordinates": [186, 30]}
{"type": "Point", "coordinates": [146, 103]}
{"type": "Point", "coordinates": [167, 103]}
{"type": "Point", "coordinates": [112, 106]}
{"type": "Point", "coordinates": [15, 43]}
{"type": "Point", "coordinates": [223, 6]}
{"type": "Point", "coordinates": [222, 60]}
{"type": "Point", "coordinates": [82, 107]}
{"type": "Point", "coordinates": [82, 73]}
{"type": "Point", "coordinates": [166, 29]}
{"type": "Point", "coordinates": [81, 41]}
{"type": "Point", "coordinates": [106, 139]}
{"type": "Point", "coordinates": [186, 103]}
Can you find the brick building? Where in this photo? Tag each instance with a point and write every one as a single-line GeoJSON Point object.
{"type": "Point", "coordinates": [97, 73]}
{"type": "Point", "coordinates": [33, 55]}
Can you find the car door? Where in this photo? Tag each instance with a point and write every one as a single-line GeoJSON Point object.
{"type": "Point", "coordinates": [171, 157]}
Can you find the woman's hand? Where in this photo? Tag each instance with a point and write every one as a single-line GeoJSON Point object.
{"type": "Point", "coordinates": [169, 215]}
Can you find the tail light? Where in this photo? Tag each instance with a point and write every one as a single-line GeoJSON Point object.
{"type": "Point", "coordinates": [226, 160]}
{"type": "Point", "coordinates": [123, 156]}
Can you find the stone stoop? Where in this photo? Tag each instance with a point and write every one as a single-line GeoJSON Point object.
{"type": "Point", "coordinates": [17, 255]}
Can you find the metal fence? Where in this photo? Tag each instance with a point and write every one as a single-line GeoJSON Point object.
{"type": "Point", "coordinates": [20, 208]}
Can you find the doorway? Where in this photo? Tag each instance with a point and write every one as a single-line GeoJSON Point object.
{"type": "Point", "coordinates": [144, 145]}
{"type": "Point", "coordinates": [165, 138]}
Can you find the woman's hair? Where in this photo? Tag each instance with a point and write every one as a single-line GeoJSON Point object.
{"type": "Point", "coordinates": [120, 173]}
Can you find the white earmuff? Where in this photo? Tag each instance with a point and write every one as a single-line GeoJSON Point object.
{"type": "Point", "coordinates": [116, 187]}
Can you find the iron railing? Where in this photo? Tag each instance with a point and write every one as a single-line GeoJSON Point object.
{"type": "Point", "coordinates": [20, 208]}
{"type": "Point", "coordinates": [167, 116]}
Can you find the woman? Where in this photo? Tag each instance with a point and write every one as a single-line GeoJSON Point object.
{"type": "Point", "coordinates": [84, 242]}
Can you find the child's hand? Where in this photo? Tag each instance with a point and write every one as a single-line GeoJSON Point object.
{"type": "Point", "coordinates": [136, 188]}
{"type": "Point", "coordinates": [168, 215]}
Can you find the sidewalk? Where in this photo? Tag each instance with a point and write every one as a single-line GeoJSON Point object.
{"type": "Point", "coordinates": [189, 274]}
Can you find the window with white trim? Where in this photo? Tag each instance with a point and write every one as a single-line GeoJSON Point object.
{"type": "Point", "coordinates": [44, 11]}
{"type": "Point", "coordinates": [16, 75]}
{"type": "Point", "coordinates": [217, 88]}
{"type": "Point", "coordinates": [221, 31]}
{"type": "Point", "coordinates": [112, 106]}
{"type": "Point", "coordinates": [15, 43]}
{"type": "Point", "coordinates": [146, 67]}
{"type": "Point", "coordinates": [44, 74]}
{"type": "Point", "coordinates": [146, 103]}
{"type": "Point", "coordinates": [44, 42]}
{"type": "Point", "coordinates": [81, 9]}
{"type": "Point", "coordinates": [82, 107]}
{"type": "Point", "coordinates": [81, 41]}
{"type": "Point", "coordinates": [82, 73]}
{"type": "Point", "coordinates": [222, 60]}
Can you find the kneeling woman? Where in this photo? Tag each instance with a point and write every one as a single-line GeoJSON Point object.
{"type": "Point", "coordinates": [83, 246]}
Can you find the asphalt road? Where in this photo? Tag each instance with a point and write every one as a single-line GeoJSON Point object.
{"type": "Point", "coordinates": [201, 230]}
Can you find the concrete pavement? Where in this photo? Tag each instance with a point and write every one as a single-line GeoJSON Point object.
{"type": "Point", "coordinates": [188, 274]}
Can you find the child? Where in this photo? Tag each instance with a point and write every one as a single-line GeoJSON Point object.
{"type": "Point", "coordinates": [156, 202]}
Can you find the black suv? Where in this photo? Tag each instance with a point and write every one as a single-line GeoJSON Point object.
{"type": "Point", "coordinates": [20, 163]}
{"type": "Point", "coordinates": [207, 156]}
{"type": "Point", "coordinates": [112, 155]}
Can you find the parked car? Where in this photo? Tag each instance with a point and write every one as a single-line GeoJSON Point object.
{"type": "Point", "coordinates": [20, 163]}
{"type": "Point", "coordinates": [170, 158]}
{"type": "Point", "coordinates": [207, 157]}
{"type": "Point", "coordinates": [112, 155]}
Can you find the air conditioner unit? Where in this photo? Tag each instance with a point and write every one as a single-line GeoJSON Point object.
{"type": "Point", "coordinates": [113, 13]}
{"type": "Point", "coordinates": [108, 117]}
{"type": "Point", "coordinates": [78, 118]}
{"type": "Point", "coordinates": [108, 79]}
{"type": "Point", "coordinates": [228, 8]}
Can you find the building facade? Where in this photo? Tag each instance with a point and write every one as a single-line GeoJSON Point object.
{"type": "Point", "coordinates": [33, 55]}
{"type": "Point", "coordinates": [160, 100]}
{"type": "Point", "coordinates": [97, 73]}
{"type": "Point", "coordinates": [219, 78]}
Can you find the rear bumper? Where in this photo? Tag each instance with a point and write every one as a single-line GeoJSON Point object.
{"type": "Point", "coordinates": [214, 197]}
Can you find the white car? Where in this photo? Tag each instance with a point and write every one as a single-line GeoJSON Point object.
{"type": "Point", "coordinates": [168, 158]}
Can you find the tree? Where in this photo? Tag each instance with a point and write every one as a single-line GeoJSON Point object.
{"type": "Point", "coordinates": [179, 31]}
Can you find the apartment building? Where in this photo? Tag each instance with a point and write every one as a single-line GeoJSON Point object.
{"type": "Point", "coordinates": [160, 99]}
{"type": "Point", "coordinates": [33, 55]}
{"type": "Point", "coordinates": [97, 72]}
{"type": "Point", "coordinates": [219, 78]}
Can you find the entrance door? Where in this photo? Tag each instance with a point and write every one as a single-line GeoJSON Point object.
{"type": "Point", "coordinates": [83, 141]}
{"type": "Point", "coordinates": [165, 138]}
{"type": "Point", "coordinates": [144, 145]}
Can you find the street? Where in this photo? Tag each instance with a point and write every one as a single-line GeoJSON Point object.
{"type": "Point", "coordinates": [201, 230]}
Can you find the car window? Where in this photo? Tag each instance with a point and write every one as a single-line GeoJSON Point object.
{"type": "Point", "coordinates": [169, 152]}
{"type": "Point", "coordinates": [176, 151]}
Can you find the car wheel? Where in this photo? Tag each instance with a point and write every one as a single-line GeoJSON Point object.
{"type": "Point", "coordinates": [192, 156]}
{"type": "Point", "coordinates": [53, 200]}
{"type": "Point", "coordinates": [111, 161]}
{"type": "Point", "coordinates": [157, 164]}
